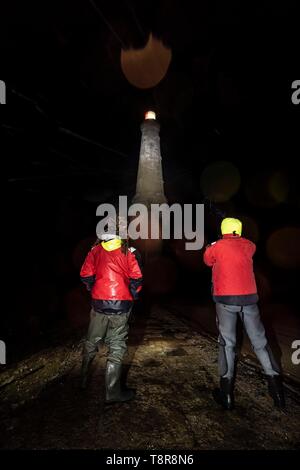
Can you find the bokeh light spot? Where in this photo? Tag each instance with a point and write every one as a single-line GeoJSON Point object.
{"type": "Point", "coordinates": [220, 181]}
{"type": "Point", "coordinates": [279, 186]}
{"type": "Point", "coordinates": [283, 247]}
{"type": "Point", "coordinates": [267, 189]}
{"type": "Point", "coordinates": [145, 68]}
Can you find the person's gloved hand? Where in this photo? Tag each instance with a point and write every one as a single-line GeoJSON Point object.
{"type": "Point", "coordinates": [135, 287]}
{"type": "Point", "coordinates": [88, 282]}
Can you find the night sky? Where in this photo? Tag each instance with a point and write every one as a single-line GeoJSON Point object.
{"type": "Point", "coordinates": [70, 132]}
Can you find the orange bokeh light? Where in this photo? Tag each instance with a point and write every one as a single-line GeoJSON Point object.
{"type": "Point", "coordinates": [146, 67]}
{"type": "Point", "coordinates": [283, 247]}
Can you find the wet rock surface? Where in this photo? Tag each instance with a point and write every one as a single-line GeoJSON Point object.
{"type": "Point", "coordinates": [173, 368]}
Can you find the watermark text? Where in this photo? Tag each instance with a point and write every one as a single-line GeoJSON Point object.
{"type": "Point", "coordinates": [159, 221]}
{"type": "Point", "coordinates": [2, 352]}
{"type": "Point", "coordinates": [2, 92]}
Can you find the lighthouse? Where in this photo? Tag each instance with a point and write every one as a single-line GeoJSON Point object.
{"type": "Point", "coordinates": [150, 184]}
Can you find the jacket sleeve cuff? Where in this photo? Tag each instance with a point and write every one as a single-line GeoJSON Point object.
{"type": "Point", "coordinates": [135, 286]}
{"type": "Point", "coordinates": [88, 281]}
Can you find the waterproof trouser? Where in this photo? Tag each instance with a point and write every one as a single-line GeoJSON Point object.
{"type": "Point", "coordinates": [227, 316]}
{"type": "Point", "coordinates": [112, 329]}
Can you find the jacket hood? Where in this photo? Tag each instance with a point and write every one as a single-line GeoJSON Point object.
{"type": "Point", "coordinates": [112, 245]}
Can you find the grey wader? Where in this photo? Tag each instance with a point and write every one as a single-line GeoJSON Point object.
{"type": "Point", "coordinates": [227, 316]}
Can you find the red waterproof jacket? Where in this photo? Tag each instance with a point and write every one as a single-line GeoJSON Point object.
{"type": "Point", "coordinates": [113, 277]}
{"type": "Point", "coordinates": [232, 270]}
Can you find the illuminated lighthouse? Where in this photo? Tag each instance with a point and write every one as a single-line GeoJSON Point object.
{"type": "Point", "coordinates": [150, 184]}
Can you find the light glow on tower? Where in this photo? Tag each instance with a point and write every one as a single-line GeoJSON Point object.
{"type": "Point", "coordinates": [150, 115]}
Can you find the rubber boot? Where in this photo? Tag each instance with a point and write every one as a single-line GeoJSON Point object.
{"type": "Point", "coordinates": [85, 367]}
{"type": "Point", "coordinates": [114, 392]}
{"type": "Point", "coordinates": [224, 395]}
{"type": "Point", "coordinates": [276, 390]}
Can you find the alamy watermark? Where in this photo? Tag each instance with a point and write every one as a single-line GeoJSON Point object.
{"type": "Point", "coordinates": [296, 353]}
{"type": "Point", "coordinates": [159, 221]}
{"type": "Point", "coordinates": [2, 352]}
{"type": "Point", "coordinates": [2, 92]}
{"type": "Point", "coordinates": [296, 94]}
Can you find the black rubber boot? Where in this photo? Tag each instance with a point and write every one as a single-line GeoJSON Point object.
{"type": "Point", "coordinates": [85, 367]}
{"type": "Point", "coordinates": [224, 395]}
{"type": "Point", "coordinates": [276, 390]}
{"type": "Point", "coordinates": [114, 392]}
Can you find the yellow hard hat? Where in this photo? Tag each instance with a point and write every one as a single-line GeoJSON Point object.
{"type": "Point", "coordinates": [230, 225]}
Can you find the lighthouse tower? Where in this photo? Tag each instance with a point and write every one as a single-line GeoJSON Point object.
{"type": "Point", "coordinates": [150, 185]}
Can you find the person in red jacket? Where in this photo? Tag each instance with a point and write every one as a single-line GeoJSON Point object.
{"type": "Point", "coordinates": [112, 273]}
{"type": "Point", "coordinates": [235, 294]}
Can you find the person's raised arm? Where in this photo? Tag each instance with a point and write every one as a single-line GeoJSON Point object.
{"type": "Point", "coordinates": [209, 255]}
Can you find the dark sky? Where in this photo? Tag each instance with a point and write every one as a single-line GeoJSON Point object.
{"type": "Point", "coordinates": [226, 94]}
{"type": "Point", "coordinates": [71, 128]}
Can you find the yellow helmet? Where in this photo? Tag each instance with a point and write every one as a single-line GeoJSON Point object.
{"type": "Point", "coordinates": [230, 225]}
